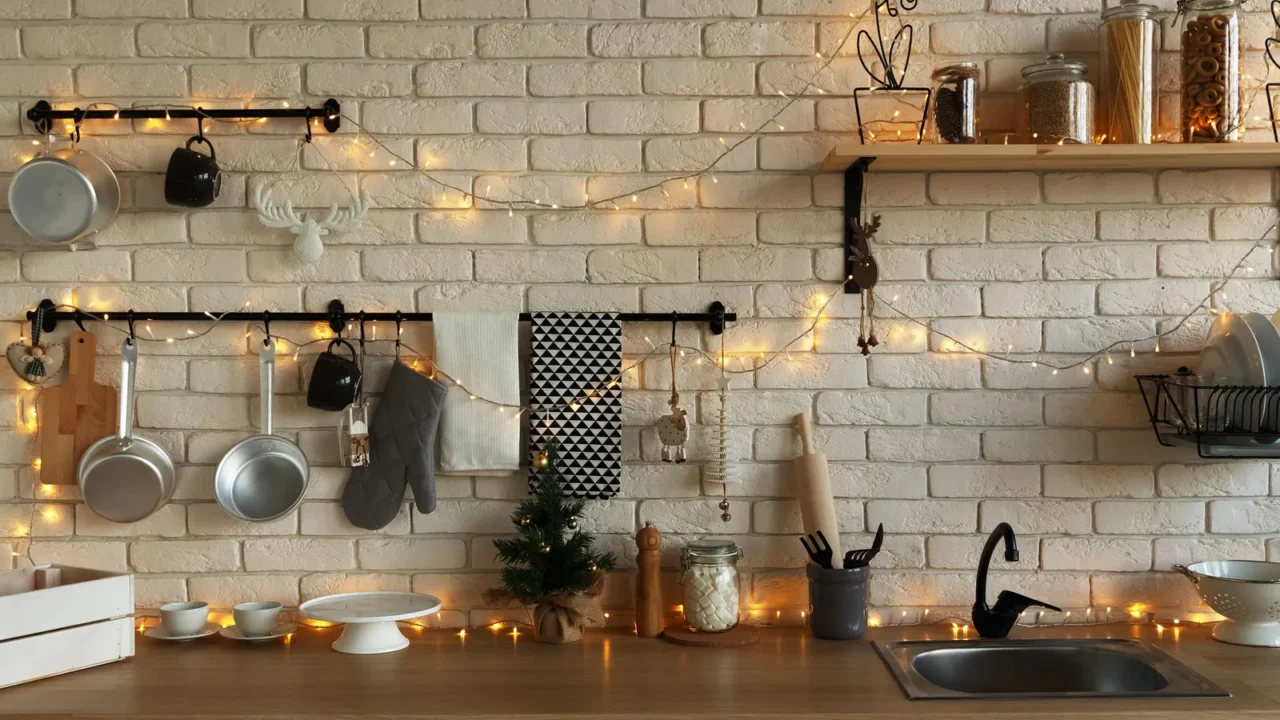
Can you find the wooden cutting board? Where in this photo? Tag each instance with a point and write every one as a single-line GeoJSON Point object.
{"type": "Point", "coordinates": [75, 414]}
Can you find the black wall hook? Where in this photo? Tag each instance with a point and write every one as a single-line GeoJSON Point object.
{"type": "Point", "coordinates": [266, 323]}
{"type": "Point", "coordinates": [133, 333]}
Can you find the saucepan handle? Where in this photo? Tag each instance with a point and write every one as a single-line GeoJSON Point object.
{"type": "Point", "coordinates": [128, 371]}
{"type": "Point", "coordinates": [267, 367]}
{"type": "Point", "coordinates": [1193, 577]}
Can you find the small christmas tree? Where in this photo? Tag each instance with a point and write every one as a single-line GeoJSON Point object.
{"type": "Point", "coordinates": [551, 557]}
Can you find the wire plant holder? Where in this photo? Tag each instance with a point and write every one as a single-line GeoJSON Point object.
{"type": "Point", "coordinates": [1271, 44]}
{"type": "Point", "coordinates": [890, 79]}
{"type": "Point", "coordinates": [1221, 420]}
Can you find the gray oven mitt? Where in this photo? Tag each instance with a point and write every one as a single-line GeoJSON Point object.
{"type": "Point", "coordinates": [402, 451]}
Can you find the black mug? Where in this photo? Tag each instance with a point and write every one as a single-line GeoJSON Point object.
{"type": "Point", "coordinates": [335, 379]}
{"type": "Point", "coordinates": [193, 179]}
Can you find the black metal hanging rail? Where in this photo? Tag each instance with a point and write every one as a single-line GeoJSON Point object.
{"type": "Point", "coordinates": [337, 316]}
{"type": "Point", "coordinates": [43, 114]}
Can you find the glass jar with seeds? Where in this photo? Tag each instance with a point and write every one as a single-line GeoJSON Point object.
{"type": "Point", "coordinates": [1210, 70]}
{"type": "Point", "coordinates": [1126, 76]}
{"type": "Point", "coordinates": [1055, 102]}
{"type": "Point", "coordinates": [955, 103]}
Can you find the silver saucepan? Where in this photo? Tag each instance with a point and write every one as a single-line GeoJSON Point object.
{"type": "Point", "coordinates": [264, 477]}
{"type": "Point", "coordinates": [126, 478]}
{"type": "Point", "coordinates": [64, 195]}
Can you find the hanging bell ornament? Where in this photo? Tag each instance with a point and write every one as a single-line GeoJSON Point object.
{"type": "Point", "coordinates": [725, 516]}
{"type": "Point", "coordinates": [572, 523]}
{"type": "Point", "coordinates": [524, 522]}
{"type": "Point", "coordinates": [544, 548]}
{"type": "Point", "coordinates": [541, 461]}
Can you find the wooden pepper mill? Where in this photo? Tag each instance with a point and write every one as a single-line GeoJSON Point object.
{"type": "Point", "coordinates": [649, 612]}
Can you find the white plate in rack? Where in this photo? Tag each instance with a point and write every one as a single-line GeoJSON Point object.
{"type": "Point", "coordinates": [370, 618]}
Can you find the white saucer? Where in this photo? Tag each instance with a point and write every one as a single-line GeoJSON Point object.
{"type": "Point", "coordinates": [370, 618]}
{"type": "Point", "coordinates": [233, 633]}
{"type": "Point", "coordinates": [159, 633]}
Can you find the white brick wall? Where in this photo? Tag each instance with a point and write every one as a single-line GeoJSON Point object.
{"type": "Point", "coordinates": [556, 98]}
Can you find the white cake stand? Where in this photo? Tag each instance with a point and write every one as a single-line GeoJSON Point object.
{"type": "Point", "coordinates": [370, 618]}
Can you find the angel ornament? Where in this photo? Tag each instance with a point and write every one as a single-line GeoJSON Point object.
{"type": "Point", "coordinates": [865, 275]}
{"type": "Point", "coordinates": [673, 429]}
{"type": "Point", "coordinates": [309, 246]}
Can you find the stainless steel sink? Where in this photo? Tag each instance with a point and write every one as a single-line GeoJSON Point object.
{"type": "Point", "coordinates": [1018, 669]}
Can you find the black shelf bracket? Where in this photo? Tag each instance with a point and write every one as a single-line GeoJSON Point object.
{"type": "Point", "coordinates": [854, 178]}
{"type": "Point", "coordinates": [337, 316]}
{"type": "Point", "coordinates": [42, 114]}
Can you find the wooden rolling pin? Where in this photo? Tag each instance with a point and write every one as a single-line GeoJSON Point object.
{"type": "Point", "coordinates": [813, 490]}
{"type": "Point", "coordinates": [650, 621]}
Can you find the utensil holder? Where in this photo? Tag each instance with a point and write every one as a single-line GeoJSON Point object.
{"type": "Point", "coordinates": [838, 602]}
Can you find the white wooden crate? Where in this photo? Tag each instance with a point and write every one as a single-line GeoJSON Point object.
{"type": "Point", "coordinates": [56, 619]}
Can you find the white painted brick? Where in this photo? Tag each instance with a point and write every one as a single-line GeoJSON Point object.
{"type": "Point", "coordinates": [759, 190]}
{"type": "Point", "coordinates": [1037, 445]}
{"type": "Point", "coordinates": [412, 554]}
{"type": "Point", "coordinates": [586, 229]}
{"type": "Point", "coordinates": [837, 443]}
{"type": "Point", "coordinates": [1182, 187]}
{"type": "Point", "coordinates": [311, 554]}
{"type": "Point", "coordinates": [363, 9]}
{"type": "Point", "coordinates": [466, 516]}
{"type": "Point", "coordinates": [195, 413]}
{"type": "Point", "coordinates": [700, 228]}
{"type": "Point", "coordinates": [36, 10]}
{"type": "Point", "coordinates": [1246, 223]}
{"type": "Point", "coordinates": [1150, 518]}
{"type": "Point", "coordinates": [585, 154]}
{"type": "Point", "coordinates": [1152, 297]}
{"type": "Point", "coordinates": [1137, 446]}
{"type": "Point", "coordinates": [638, 40]}
{"type": "Point", "coordinates": [988, 408]}
{"type": "Point", "coordinates": [359, 79]}
{"type": "Point", "coordinates": [211, 519]}
{"type": "Point", "coordinates": [521, 117]}
{"type": "Point", "coordinates": [198, 556]}
{"type": "Point", "coordinates": [109, 556]}
{"type": "Point", "coordinates": [729, 264]}
{"type": "Point", "coordinates": [548, 189]}
{"type": "Point", "coordinates": [700, 8]}
{"type": "Point", "coordinates": [671, 298]}
{"type": "Point", "coordinates": [757, 408]}
{"type": "Point", "coordinates": [168, 521]}
{"type": "Point", "coordinates": [576, 298]}
{"type": "Point", "coordinates": [699, 77]}
{"type": "Point", "coordinates": [225, 591]}
{"type": "Point", "coordinates": [807, 370]}
{"type": "Point", "coordinates": [236, 376]}
{"type": "Point", "coordinates": [1107, 554]}
{"type": "Point", "coordinates": [189, 265]}
{"type": "Point", "coordinates": [417, 264]}
{"type": "Point", "coordinates": [478, 9]}
{"type": "Point", "coordinates": [515, 40]}
{"type": "Point", "coordinates": [1038, 300]}
{"type": "Point", "coordinates": [984, 481]}
{"type": "Point", "coordinates": [928, 516]}
{"type": "Point", "coordinates": [1184, 551]}
{"type": "Point", "coordinates": [731, 114]}
{"type": "Point", "coordinates": [876, 480]}
{"type": "Point", "coordinates": [1102, 262]}
{"type": "Point", "coordinates": [795, 152]}
{"type": "Point", "coordinates": [108, 79]}
{"type": "Point", "coordinates": [143, 229]}
{"type": "Point", "coordinates": [472, 228]}
{"type": "Point", "coordinates": [795, 301]}
{"type": "Point", "coordinates": [578, 79]}
{"type": "Point", "coordinates": [660, 481]}
{"type": "Point", "coordinates": [986, 264]}
{"type": "Point", "coordinates": [1214, 260]}
{"type": "Point", "coordinates": [100, 266]}
{"type": "Point", "coordinates": [1096, 410]}
{"type": "Point", "coordinates": [737, 39]}
{"type": "Point", "coordinates": [1242, 517]}
{"type": "Point", "coordinates": [594, 9]}
{"type": "Point", "coordinates": [1099, 188]}
{"type": "Point", "coordinates": [1035, 517]}
{"type": "Point", "coordinates": [962, 552]}
{"type": "Point", "coordinates": [932, 227]}
{"type": "Point", "coordinates": [1088, 335]}
{"type": "Point", "coordinates": [929, 371]}
{"type": "Point", "coordinates": [540, 266]}
{"type": "Point", "coordinates": [841, 77]}
{"type": "Point", "coordinates": [260, 80]}
{"type": "Point", "coordinates": [986, 334]}
{"type": "Point", "coordinates": [922, 445]}
{"type": "Point", "coordinates": [322, 584]}
{"type": "Point", "coordinates": [472, 153]}
{"type": "Point", "coordinates": [219, 297]}
{"type": "Point", "coordinates": [468, 78]}
{"type": "Point", "coordinates": [98, 40]}
{"type": "Point", "coordinates": [984, 189]}
{"type": "Point", "coordinates": [245, 9]}
{"type": "Point", "coordinates": [1043, 226]}
{"type": "Point", "coordinates": [331, 41]}
{"type": "Point", "coordinates": [1213, 480]}
{"type": "Point", "coordinates": [1161, 224]}
{"type": "Point", "coordinates": [186, 40]}
{"type": "Point", "coordinates": [696, 154]}
{"type": "Point", "coordinates": [642, 117]}
{"type": "Point", "coordinates": [866, 407]}
{"type": "Point", "coordinates": [1151, 589]}
{"type": "Point", "coordinates": [906, 588]}
{"type": "Point", "coordinates": [421, 41]}
{"type": "Point", "coordinates": [640, 266]}
{"type": "Point", "coordinates": [45, 81]}
{"type": "Point", "coordinates": [778, 517]}
{"type": "Point", "coordinates": [993, 35]}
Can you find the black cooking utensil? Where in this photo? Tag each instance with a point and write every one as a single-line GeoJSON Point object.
{"type": "Point", "coordinates": [819, 554]}
{"type": "Point", "coordinates": [860, 558]}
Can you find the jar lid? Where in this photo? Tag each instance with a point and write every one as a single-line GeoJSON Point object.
{"type": "Point", "coordinates": [711, 551]}
{"type": "Point", "coordinates": [1129, 10]}
{"type": "Point", "coordinates": [1055, 63]}
{"type": "Point", "coordinates": [956, 71]}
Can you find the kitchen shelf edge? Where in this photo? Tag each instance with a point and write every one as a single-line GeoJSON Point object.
{"type": "Point", "coordinates": [1005, 158]}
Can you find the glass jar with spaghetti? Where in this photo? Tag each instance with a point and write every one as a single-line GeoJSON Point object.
{"type": "Point", "coordinates": [1127, 78]}
{"type": "Point", "coordinates": [1210, 70]}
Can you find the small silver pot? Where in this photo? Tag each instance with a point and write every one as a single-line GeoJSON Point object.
{"type": "Point", "coordinates": [63, 196]}
{"type": "Point", "coordinates": [262, 478]}
{"type": "Point", "coordinates": [125, 478]}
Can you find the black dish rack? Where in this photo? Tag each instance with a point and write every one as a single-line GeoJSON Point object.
{"type": "Point", "coordinates": [1222, 421]}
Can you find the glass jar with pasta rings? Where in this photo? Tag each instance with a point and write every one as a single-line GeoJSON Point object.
{"type": "Point", "coordinates": [1210, 71]}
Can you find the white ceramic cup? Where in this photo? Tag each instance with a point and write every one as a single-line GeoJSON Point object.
{"type": "Point", "coordinates": [256, 619]}
{"type": "Point", "coordinates": [181, 619]}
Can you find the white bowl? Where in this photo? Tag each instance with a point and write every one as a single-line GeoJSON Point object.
{"type": "Point", "coordinates": [1246, 592]}
{"type": "Point", "coordinates": [256, 619]}
{"type": "Point", "coordinates": [183, 619]}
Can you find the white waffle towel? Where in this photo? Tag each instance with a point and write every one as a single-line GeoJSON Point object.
{"type": "Point", "coordinates": [481, 351]}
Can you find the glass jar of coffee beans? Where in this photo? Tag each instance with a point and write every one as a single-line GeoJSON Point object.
{"type": "Point", "coordinates": [955, 103]}
{"type": "Point", "coordinates": [1056, 103]}
{"type": "Point", "coordinates": [1210, 70]}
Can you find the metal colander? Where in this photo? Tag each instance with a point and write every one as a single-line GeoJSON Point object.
{"type": "Point", "coordinates": [1246, 592]}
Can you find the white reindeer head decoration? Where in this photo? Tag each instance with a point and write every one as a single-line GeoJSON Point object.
{"type": "Point", "coordinates": [308, 247]}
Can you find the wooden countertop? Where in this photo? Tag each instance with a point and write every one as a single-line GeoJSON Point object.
{"type": "Point", "coordinates": [789, 674]}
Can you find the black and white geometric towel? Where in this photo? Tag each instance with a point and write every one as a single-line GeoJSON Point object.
{"type": "Point", "coordinates": [577, 358]}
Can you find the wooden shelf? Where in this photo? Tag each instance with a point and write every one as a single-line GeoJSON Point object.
{"type": "Point", "coordinates": [998, 158]}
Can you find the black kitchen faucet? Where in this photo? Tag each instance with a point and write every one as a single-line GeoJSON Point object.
{"type": "Point", "coordinates": [996, 621]}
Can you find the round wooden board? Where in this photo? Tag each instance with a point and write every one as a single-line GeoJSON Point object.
{"type": "Point", "coordinates": [737, 637]}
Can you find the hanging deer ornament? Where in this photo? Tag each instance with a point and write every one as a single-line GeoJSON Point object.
{"type": "Point", "coordinates": [309, 247]}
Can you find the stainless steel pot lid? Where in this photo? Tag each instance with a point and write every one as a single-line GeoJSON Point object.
{"type": "Point", "coordinates": [52, 200]}
{"type": "Point", "coordinates": [124, 488]}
